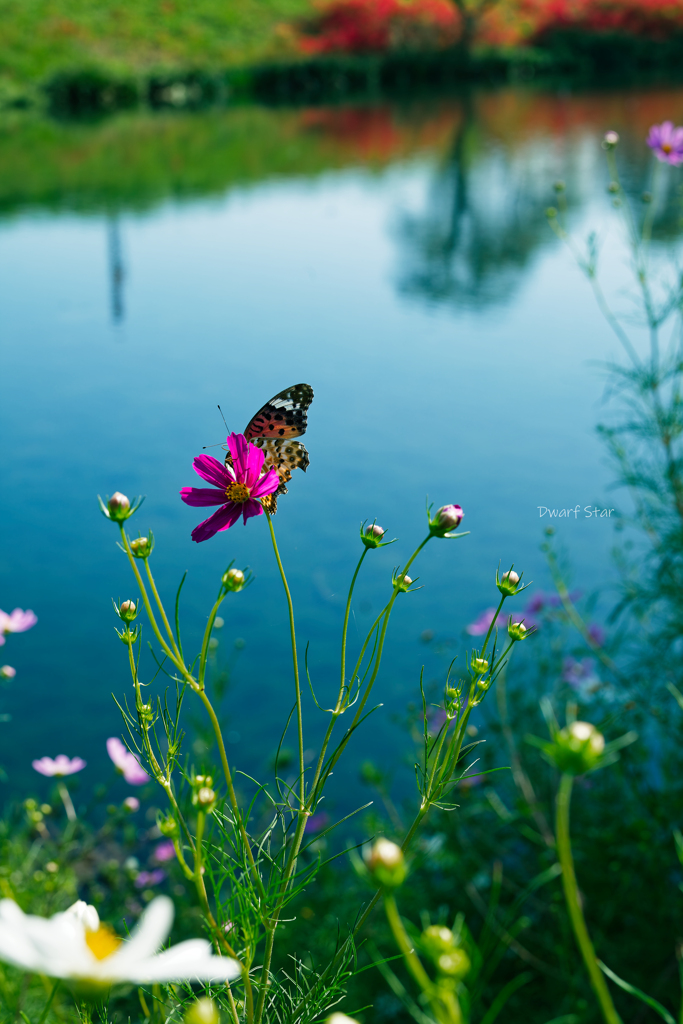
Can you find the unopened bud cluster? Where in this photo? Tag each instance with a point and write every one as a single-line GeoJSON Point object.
{"type": "Point", "coordinates": [142, 547]}
{"type": "Point", "coordinates": [386, 863]}
{"type": "Point", "coordinates": [119, 508]}
{"type": "Point", "coordinates": [233, 580]}
{"type": "Point", "coordinates": [168, 826]}
{"type": "Point", "coordinates": [402, 582]}
{"type": "Point", "coordinates": [203, 795]}
{"type": "Point", "coordinates": [447, 518]}
{"type": "Point", "coordinates": [518, 631]}
{"type": "Point", "coordinates": [610, 140]}
{"type": "Point", "coordinates": [202, 1011]}
{"type": "Point", "coordinates": [127, 611]}
{"type": "Point", "coordinates": [508, 583]}
{"type": "Point", "coordinates": [578, 748]}
{"type": "Point", "coordinates": [440, 944]}
{"type": "Point", "coordinates": [372, 536]}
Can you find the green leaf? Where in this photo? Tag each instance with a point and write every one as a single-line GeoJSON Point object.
{"type": "Point", "coordinates": [657, 1007]}
{"type": "Point", "coordinates": [503, 996]}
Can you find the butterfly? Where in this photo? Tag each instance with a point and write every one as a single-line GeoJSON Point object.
{"type": "Point", "coordinates": [273, 429]}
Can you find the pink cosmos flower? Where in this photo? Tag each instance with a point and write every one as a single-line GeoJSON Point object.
{"type": "Point", "coordinates": [17, 622]}
{"type": "Point", "coordinates": [126, 763]}
{"type": "Point", "coordinates": [235, 488]}
{"type": "Point", "coordinates": [481, 624]}
{"type": "Point", "coordinates": [666, 143]}
{"type": "Point", "coordinates": [164, 851]}
{"type": "Point", "coordinates": [145, 878]}
{"type": "Point", "coordinates": [60, 766]}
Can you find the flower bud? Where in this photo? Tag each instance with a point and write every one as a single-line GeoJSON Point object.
{"type": "Point", "coordinates": [577, 748]}
{"type": "Point", "coordinates": [372, 535]}
{"type": "Point", "coordinates": [119, 506]}
{"type": "Point", "coordinates": [202, 1011]}
{"type": "Point", "coordinates": [508, 582]}
{"type": "Point", "coordinates": [479, 666]}
{"type": "Point", "coordinates": [446, 519]}
{"type": "Point", "coordinates": [340, 1018]}
{"type": "Point", "coordinates": [386, 863]}
{"type": "Point", "coordinates": [613, 187]}
{"type": "Point", "coordinates": [131, 804]}
{"type": "Point", "coordinates": [610, 140]}
{"type": "Point", "coordinates": [455, 963]}
{"type": "Point", "coordinates": [559, 186]}
{"type": "Point", "coordinates": [551, 213]}
{"type": "Point", "coordinates": [128, 610]}
{"type": "Point", "coordinates": [205, 798]}
{"type": "Point", "coordinates": [403, 582]}
{"type": "Point", "coordinates": [167, 825]}
{"type": "Point", "coordinates": [234, 580]}
{"type": "Point", "coordinates": [518, 631]}
{"type": "Point", "coordinates": [7, 672]}
{"type": "Point", "coordinates": [142, 546]}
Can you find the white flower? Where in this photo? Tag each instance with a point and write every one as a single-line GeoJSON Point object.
{"type": "Point", "coordinates": [74, 945]}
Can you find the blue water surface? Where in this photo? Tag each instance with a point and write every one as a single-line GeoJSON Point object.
{"type": "Point", "coordinates": [452, 343]}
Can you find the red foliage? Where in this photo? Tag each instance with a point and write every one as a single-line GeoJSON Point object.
{"type": "Point", "coordinates": [366, 26]}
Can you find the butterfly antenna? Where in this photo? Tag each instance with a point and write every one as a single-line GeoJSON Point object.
{"type": "Point", "coordinates": [222, 417]}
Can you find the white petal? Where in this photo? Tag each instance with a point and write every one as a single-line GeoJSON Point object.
{"type": "Point", "coordinates": [188, 961]}
{"type": "Point", "coordinates": [148, 936]}
{"type": "Point", "coordinates": [17, 950]}
{"type": "Point", "coordinates": [84, 913]}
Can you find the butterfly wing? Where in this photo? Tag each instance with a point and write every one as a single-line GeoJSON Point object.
{"type": "Point", "coordinates": [273, 430]}
{"type": "Point", "coordinates": [284, 416]}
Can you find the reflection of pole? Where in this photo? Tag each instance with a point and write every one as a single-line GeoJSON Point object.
{"type": "Point", "coordinates": [116, 273]}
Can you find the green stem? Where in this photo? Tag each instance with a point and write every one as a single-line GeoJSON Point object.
{"type": "Point", "coordinates": [211, 921]}
{"type": "Point", "coordinates": [162, 610]}
{"type": "Point", "coordinates": [571, 895]}
{"type": "Point", "coordinates": [231, 792]}
{"type": "Point", "coordinates": [346, 624]}
{"type": "Point", "coordinates": [67, 801]}
{"type": "Point", "coordinates": [295, 661]}
{"type": "Point", "coordinates": [48, 1004]}
{"type": "Point", "coordinates": [413, 962]}
{"type": "Point", "coordinates": [148, 607]}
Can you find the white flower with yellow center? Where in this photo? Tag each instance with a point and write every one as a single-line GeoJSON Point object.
{"type": "Point", "coordinates": [76, 946]}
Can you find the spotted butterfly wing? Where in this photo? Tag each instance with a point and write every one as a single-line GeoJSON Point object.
{"type": "Point", "coordinates": [274, 429]}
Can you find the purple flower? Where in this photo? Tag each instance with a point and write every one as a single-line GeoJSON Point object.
{"type": "Point", "coordinates": [60, 766]}
{"type": "Point", "coordinates": [164, 851]}
{"type": "Point", "coordinates": [481, 625]}
{"type": "Point", "coordinates": [126, 763]}
{"type": "Point", "coordinates": [235, 488]}
{"type": "Point", "coordinates": [581, 676]}
{"type": "Point", "coordinates": [666, 142]}
{"type": "Point", "coordinates": [318, 822]}
{"type": "Point", "coordinates": [17, 622]}
{"type": "Point", "coordinates": [597, 634]}
{"type": "Point", "coordinates": [536, 603]}
{"type": "Point", "coordinates": [146, 878]}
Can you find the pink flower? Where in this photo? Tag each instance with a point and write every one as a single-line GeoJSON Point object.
{"type": "Point", "coordinates": [126, 763]}
{"type": "Point", "coordinates": [666, 143]}
{"type": "Point", "coordinates": [18, 622]}
{"type": "Point", "coordinates": [7, 672]}
{"type": "Point", "coordinates": [62, 765]}
{"type": "Point", "coordinates": [481, 625]}
{"type": "Point", "coordinates": [132, 804]}
{"type": "Point", "coordinates": [164, 851]}
{"type": "Point", "coordinates": [145, 878]}
{"type": "Point", "coordinates": [236, 488]}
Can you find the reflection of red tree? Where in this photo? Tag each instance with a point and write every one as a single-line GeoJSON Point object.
{"type": "Point", "coordinates": [380, 134]}
{"type": "Point", "coordinates": [366, 26]}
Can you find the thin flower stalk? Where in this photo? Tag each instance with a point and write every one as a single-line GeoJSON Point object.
{"type": "Point", "coordinates": [571, 893]}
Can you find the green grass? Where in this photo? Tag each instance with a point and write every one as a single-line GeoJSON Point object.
{"type": "Point", "coordinates": [43, 37]}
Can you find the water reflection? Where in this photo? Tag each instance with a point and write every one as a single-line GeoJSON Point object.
{"type": "Point", "coordinates": [116, 269]}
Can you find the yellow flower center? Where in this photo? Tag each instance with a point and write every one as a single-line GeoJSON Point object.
{"type": "Point", "coordinates": [667, 147]}
{"type": "Point", "coordinates": [103, 942]}
{"type": "Point", "coordinates": [238, 493]}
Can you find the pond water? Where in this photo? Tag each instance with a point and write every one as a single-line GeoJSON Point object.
{"type": "Point", "coordinates": [396, 258]}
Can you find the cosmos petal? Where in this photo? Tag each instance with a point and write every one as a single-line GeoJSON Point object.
{"type": "Point", "coordinates": [267, 484]}
{"type": "Point", "coordinates": [220, 520]}
{"type": "Point", "coordinates": [211, 470]}
{"type": "Point", "coordinates": [202, 496]}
